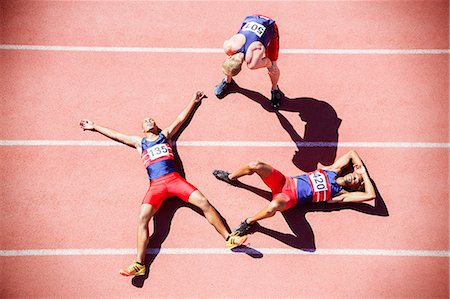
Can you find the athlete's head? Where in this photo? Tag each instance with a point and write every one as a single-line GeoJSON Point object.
{"type": "Point", "coordinates": [149, 126]}
{"type": "Point", "coordinates": [232, 65]}
{"type": "Point", "coordinates": [353, 181]}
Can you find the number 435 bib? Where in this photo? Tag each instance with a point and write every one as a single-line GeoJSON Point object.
{"type": "Point", "coordinates": [320, 186]}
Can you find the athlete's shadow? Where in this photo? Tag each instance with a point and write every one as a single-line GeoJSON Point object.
{"type": "Point", "coordinates": [303, 235]}
{"type": "Point", "coordinates": [162, 220]}
{"type": "Point", "coordinates": [161, 227]}
{"type": "Point", "coordinates": [319, 143]}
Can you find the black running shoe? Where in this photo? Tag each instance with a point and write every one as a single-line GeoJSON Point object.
{"type": "Point", "coordinates": [277, 95]}
{"type": "Point", "coordinates": [223, 88]}
{"type": "Point", "coordinates": [223, 176]}
{"type": "Point", "coordinates": [242, 229]}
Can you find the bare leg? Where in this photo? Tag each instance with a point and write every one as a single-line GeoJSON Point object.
{"type": "Point", "coordinates": [146, 213]}
{"type": "Point", "coordinates": [277, 204]}
{"type": "Point", "coordinates": [274, 74]}
{"type": "Point", "coordinates": [260, 168]}
{"type": "Point", "coordinates": [263, 170]}
{"type": "Point", "coordinates": [199, 200]}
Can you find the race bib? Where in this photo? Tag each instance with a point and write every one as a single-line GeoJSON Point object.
{"type": "Point", "coordinates": [319, 184]}
{"type": "Point", "coordinates": [318, 181]}
{"type": "Point", "coordinates": [155, 152]}
{"type": "Point", "coordinates": [254, 27]}
{"type": "Point", "coordinates": [158, 151]}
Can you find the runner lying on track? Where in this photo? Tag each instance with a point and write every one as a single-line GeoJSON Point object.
{"type": "Point", "coordinates": [326, 184]}
{"type": "Point", "coordinates": [165, 182]}
{"type": "Point", "coordinates": [256, 43]}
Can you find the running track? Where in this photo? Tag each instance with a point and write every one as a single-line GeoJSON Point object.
{"type": "Point", "coordinates": [372, 76]}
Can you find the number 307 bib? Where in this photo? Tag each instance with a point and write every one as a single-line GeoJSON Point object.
{"type": "Point", "coordinates": [319, 184]}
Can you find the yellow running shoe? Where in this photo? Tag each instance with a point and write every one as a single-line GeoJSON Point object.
{"type": "Point", "coordinates": [235, 241]}
{"type": "Point", "coordinates": [135, 269]}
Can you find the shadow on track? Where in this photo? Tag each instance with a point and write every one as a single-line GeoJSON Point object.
{"type": "Point", "coordinates": [163, 219]}
{"type": "Point", "coordinates": [303, 236]}
{"type": "Point", "coordinates": [320, 140]}
{"type": "Point", "coordinates": [318, 145]}
{"type": "Point", "coordinates": [162, 222]}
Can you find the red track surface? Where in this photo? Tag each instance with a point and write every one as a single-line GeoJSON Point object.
{"type": "Point", "coordinates": [65, 197]}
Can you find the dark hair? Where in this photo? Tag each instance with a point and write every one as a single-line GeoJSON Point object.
{"type": "Point", "coordinates": [360, 188]}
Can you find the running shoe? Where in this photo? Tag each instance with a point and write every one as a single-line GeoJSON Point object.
{"type": "Point", "coordinates": [235, 241]}
{"type": "Point", "coordinates": [135, 269]}
{"type": "Point", "coordinates": [223, 176]}
{"type": "Point", "coordinates": [242, 229]}
{"type": "Point", "coordinates": [277, 95]}
{"type": "Point", "coordinates": [221, 88]}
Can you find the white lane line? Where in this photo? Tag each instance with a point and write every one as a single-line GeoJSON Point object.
{"type": "Point", "coordinates": [206, 251]}
{"type": "Point", "coordinates": [110, 49]}
{"type": "Point", "coordinates": [315, 144]}
{"type": "Point", "coordinates": [367, 51]}
{"type": "Point", "coordinates": [219, 50]}
{"type": "Point", "coordinates": [233, 144]}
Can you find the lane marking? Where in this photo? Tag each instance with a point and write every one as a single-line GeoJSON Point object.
{"type": "Point", "coordinates": [233, 144]}
{"type": "Point", "coordinates": [206, 251]}
{"type": "Point", "coordinates": [219, 50]}
{"type": "Point", "coordinates": [367, 51]}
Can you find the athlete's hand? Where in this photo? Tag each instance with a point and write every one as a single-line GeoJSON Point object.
{"type": "Point", "coordinates": [198, 96]}
{"type": "Point", "coordinates": [228, 48]}
{"type": "Point", "coordinates": [359, 168]}
{"type": "Point", "coordinates": [86, 124]}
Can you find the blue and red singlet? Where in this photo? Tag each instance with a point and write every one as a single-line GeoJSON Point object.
{"type": "Point", "coordinates": [158, 157]}
{"type": "Point", "coordinates": [316, 186]}
{"type": "Point", "coordinates": [262, 29]}
{"type": "Point", "coordinates": [165, 181]}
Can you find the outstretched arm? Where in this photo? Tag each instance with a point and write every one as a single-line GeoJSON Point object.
{"type": "Point", "coordinates": [133, 141]}
{"type": "Point", "coordinates": [184, 115]}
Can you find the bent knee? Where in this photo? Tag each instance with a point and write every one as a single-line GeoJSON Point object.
{"type": "Point", "coordinates": [204, 203]}
{"type": "Point", "coordinates": [278, 203]}
{"type": "Point", "coordinates": [273, 69]}
{"type": "Point", "coordinates": [256, 165]}
{"type": "Point", "coordinates": [143, 218]}
{"type": "Point", "coordinates": [201, 202]}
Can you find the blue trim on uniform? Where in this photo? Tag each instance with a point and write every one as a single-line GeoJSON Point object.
{"type": "Point", "coordinates": [161, 167]}
{"type": "Point", "coordinates": [251, 37]}
{"type": "Point", "coordinates": [304, 189]}
{"type": "Point", "coordinates": [335, 188]}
